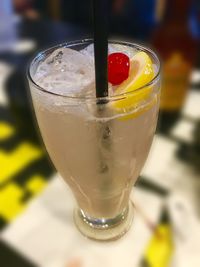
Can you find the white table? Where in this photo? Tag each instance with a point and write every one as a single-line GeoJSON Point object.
{"type": "Point", "coordinates": [46, 234]}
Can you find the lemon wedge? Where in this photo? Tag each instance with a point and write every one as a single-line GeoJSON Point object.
{"type": "Point", "coordinates": [141, 73]}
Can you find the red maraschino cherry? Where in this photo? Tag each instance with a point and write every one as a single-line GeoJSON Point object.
{"type": "Point", "coordinates": [118, 68]}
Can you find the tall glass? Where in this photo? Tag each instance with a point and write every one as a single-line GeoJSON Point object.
{"type": "Point", "coordinates": [98, 147]}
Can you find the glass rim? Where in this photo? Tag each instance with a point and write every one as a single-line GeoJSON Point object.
{"type": "Point", "coordinates": [89, 41]}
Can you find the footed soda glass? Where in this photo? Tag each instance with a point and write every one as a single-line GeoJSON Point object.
{"type": "Point", "coordinates": [98, 146]}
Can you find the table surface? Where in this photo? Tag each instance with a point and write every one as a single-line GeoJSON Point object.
{"type": "Point", "coordinates": [36, 206]}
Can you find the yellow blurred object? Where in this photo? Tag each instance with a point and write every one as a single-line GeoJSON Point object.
{"type": "Point", "coordinates": [10, 201]}
{"type": "Point", "coordinates": [6, 131]}
{"type": "Point", "coordinates": [11, 196]}
{"type": "Point", "coordinates": [177, 48]}
{"type": "Point", "coordinates": [35, 184]}
{"type": "Point", "coordinates": [176, 72]}
{"type": "Point", "coordinates": [160, 248]}
{"type": "Point", "coordinates": [13, 162]}
{"type": "Point", "coordinates": [160, 6]}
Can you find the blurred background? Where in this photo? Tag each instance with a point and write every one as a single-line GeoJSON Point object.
{"type": "Point", "coordinates": [35, 229]}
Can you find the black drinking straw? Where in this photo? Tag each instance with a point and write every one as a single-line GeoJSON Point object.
{"type": "Point", "coordinates": [100, 9]}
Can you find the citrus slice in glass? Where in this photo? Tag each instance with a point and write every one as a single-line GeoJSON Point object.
{"type": "Point", "coordinates": [141, 73]}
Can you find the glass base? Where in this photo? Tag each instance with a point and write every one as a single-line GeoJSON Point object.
{"type": "Point", "coordinates": [104, 229]}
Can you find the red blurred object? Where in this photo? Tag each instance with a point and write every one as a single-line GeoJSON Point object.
{"type": "Point", "coordinates": [118, 68]}
{"type": "Point", "coordinates": [177, 49]}
{"type": "Point", "coordinates": [22, 5]}
{"type": "Point", "coordinates": [118, 6]}
{"type": "Point", "coordinates": [25, 8]}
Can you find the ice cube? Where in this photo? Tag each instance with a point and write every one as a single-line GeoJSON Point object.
{"type": "Point", "coordinates": [89, 52]}
{"type": "Point", "coordinates": [128, 50]}
{"type": "Point", "coordinates": [66, 72]}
